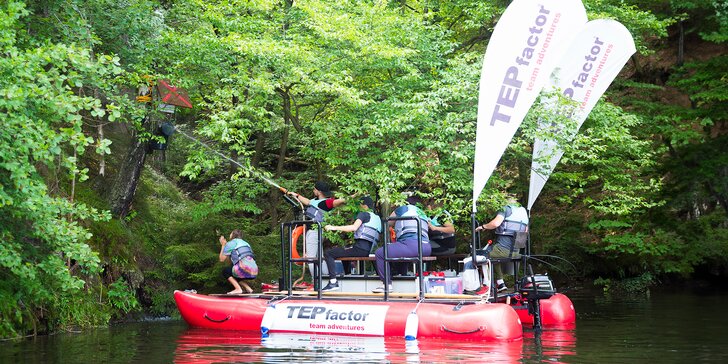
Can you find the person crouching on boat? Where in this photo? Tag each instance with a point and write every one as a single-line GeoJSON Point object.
{"type": "Point", "coordinates": [241, 255]}
{"type": "Point", "coordinates": [513, 218]}
{"type": "Point", "coordinates": [406, 243]}
{"type": "Point", "coordinates": [366, 228]}
{"type": "Point", "coordinates": [316, 210]}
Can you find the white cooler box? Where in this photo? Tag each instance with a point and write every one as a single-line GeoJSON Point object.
{"type": "Point", "coordinates": [449, 285]}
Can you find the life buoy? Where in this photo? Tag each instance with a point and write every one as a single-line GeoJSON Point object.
{"type": "Point", "coordinates": [297, 232]}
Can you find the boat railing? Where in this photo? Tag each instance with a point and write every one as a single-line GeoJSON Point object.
{"type": "Point", "coordinates": [287, 259]}
{"type": "Point", "coordinates": [520, 264]}
{"type": "Point", "coordinates": [417, 260]}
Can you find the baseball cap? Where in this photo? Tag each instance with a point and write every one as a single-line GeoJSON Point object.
{"type": "Point", "coordinates": [366, 200]}
{"type": "Point", "coordinates": [323, 187]}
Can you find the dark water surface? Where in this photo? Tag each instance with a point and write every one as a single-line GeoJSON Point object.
{"type": "Point", "coordinates": [665, 328]}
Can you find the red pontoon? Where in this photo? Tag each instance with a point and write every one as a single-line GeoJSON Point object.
{"type": "Point", "coordinates": [480, 321]}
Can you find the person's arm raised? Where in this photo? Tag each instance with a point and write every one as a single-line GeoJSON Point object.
{"type": "Point", "coordinates": [303, 200]}
{"type": "Point", "coordinates": [222, 248]}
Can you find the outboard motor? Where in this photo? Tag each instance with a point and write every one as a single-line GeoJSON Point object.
{"type": "Point", "coordinates": [543, 283]}
{"type": "Point", "coordinates": [534, 288]}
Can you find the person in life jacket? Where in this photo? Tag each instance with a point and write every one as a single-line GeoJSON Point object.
{"type": "Point", "coordinates": [243, 259]}
{"type": "Point", "coordinates": [316, 209]}
{"type": "Point", "coordinates": [442, 233]}
{"type": "Point", "coordinates": [511, 219]}
{"type": "Point", "coordinates": [406, 244]}
{"type": "Point", "coordinates": [367, 228]}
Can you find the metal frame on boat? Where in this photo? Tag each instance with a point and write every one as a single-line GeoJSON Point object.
{"type": "Point", "coordinates": [404, 314]}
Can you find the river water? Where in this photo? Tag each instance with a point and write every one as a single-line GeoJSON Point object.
{"type": "Point", "coordinates": [667, 327]}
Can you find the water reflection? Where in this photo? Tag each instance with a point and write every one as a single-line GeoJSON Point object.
{"type": "Point", "coordinates": [209, 346]}
{"type": "Point", "coordinates": [555, 345]}
{"type": "Point", "coordinates": [667, 327]}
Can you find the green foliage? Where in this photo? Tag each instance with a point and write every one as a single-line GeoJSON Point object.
{"type": "Point", "coordinates": [642, 23]}
{"type": "Point", "coordinates": [719, 34]}
{"type": "Point", "coordinates": [639, 285]}
{"type": "Point", "coordinates": [125, 28]}
{"type": "Point", "coordinates": [16, 317]}
{"type": "Point", "coordinates": [76, 309]}
{"type": "Point", "coordinates": [122, 297]}
{"type": "Point", "coordinates": [232, 197]}
{"type": "Point", "coordinates": [708, 18]}
{"type": "Point", "coordinates": [706, 84]}
{"type": "Point", "coordinates": [42, 108]}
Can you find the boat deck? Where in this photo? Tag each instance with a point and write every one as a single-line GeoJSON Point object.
{"type": "Point", "coordinates": [392, 296]}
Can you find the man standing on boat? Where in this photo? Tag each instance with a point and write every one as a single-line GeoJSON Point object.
{"type": "Point", "coordinates": [316, 209]}
{"type": "Point", "coordinates": [513, 218]}
{"type": "Point", "coordinates": [366, 228]}
{"type": "Point", "coordinates": [406, 245]}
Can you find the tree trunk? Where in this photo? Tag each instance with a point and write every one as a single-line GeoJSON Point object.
{"type": "Point", "coordinates": [284, 139]}
{"type": "Point", "coordinates": [524, 174]}
{"type": "Point", "coordinates": [274, 192]}
{"type": "Point", "coordinates": [259, 144]}
{"type": "Point", "coordinates": [102, 162]}
{"type": "Point", "coordinates": [718, 187]}
{"type": "Point", "coordinates": [680, 44]}
{"type": "Point", "coordinates": [100, 129]}
{"type": "Point", "coordinates": [232, 167]}
{"type": "Point", "coordinates": [125, 184]}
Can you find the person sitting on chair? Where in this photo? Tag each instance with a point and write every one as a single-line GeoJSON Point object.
{"type": "Point", "coordinates": [406, 244]}
{"type": "Point", "coordinates": [513, 218]}
{"type": "Point", "coordinates": [366, 228]}
{"type": "Point", "coordinates": [442, 233]}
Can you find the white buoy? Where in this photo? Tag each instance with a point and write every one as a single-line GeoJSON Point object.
{"type": "Point", "coordinates": [410, 327]}
{"type": "Point", "coordinates": [267, 321]}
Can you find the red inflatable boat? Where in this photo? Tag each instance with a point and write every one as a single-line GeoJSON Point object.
{"type": "Point", "coordinates": [557, 310]}
{"type": "Point", "coordinates": [474, 321]}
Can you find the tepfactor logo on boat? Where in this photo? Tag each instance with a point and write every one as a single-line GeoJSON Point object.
{"type": "Point", "coordinates": [329, 318]}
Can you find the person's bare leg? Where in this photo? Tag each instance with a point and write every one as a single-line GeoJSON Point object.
{"type": "Point", "coordinates": [236, 285]}
{"type": "Point", "coordinates": [246, 287]}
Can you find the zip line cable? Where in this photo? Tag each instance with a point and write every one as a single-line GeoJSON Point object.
{"type": "Point", "coordinates": [251, 170]}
